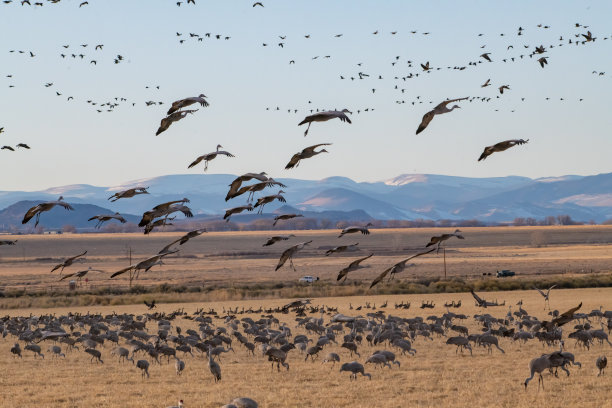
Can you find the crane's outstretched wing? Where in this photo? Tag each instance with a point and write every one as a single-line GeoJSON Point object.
{"type": "Point", "coordinates": [563, 318]}
{"type": "Point", "coordinates": [540, 292]}
{"type": "Point", "coordinates": [70, 275]}
{"type": "Point", "coordinates": [478, 298]}
{"type": "Point", "coordinates": [284, 257]}
{"type": "Point", "coordinates": [421, 253]}
{"type": "Point", "coordinates": [380, 277]}
{"type": "Point", "coordinates": [122, 271]}
{"type": "Point", "coordinates": [295, 159]}
{"type": "Point", "coordinates": [30, 213]}
{"type": "Point", "coordinates": [427, 118]}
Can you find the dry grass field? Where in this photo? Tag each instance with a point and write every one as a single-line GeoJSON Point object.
{"type": "Point", "coordinates": [435, 377]}
{"type": "Point", "coordinates": [232, 258]}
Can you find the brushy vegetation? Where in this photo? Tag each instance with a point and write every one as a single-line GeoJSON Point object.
{"type": "Point", "coordinates": [166, 293]}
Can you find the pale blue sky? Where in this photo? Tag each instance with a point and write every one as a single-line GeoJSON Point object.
{"type": "Point", "coordinates": [72, 143]}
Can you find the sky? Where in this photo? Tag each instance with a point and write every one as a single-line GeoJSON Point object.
{"type": "Point", "coordinates": [71, 143]}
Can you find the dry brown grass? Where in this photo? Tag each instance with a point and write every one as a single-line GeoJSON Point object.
{"type": "Point", "coordinates": [238, 258]}
{"type": "Point", "coordinates": [435, 377]}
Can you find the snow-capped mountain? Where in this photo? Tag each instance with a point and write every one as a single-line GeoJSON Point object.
{"type": "Point", "coordinates": [407, 196]}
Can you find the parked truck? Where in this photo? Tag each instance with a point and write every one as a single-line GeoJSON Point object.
{"type": "Point", "coordinates": [505, 273]}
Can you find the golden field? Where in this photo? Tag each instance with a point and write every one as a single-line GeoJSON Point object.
{"type": "Point", "coordinates": [435, 377]}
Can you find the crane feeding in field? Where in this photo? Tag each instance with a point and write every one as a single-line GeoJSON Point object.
{"type": "Point", "coordinates": [355, 368]}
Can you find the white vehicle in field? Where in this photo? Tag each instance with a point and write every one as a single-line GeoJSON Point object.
{"type": "Point", "coordinates": [309, 279]}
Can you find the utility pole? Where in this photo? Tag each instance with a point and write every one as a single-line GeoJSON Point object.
{"type": "Point", "coordinates": [131, 275]}
{"type": "Point", "coordinates": [444, 251]}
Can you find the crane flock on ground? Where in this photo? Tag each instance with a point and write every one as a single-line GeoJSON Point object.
{"type": "Point", "coordinates": [273, 340]}
{"type": "Point", "coordinates": [378, 337]}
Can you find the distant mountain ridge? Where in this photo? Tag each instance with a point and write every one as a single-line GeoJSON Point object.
{"type": "Point", "coordinates": [408, 196]}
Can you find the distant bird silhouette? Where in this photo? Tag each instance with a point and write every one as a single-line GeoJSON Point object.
{"type": "Point", "coordinates": [397, 268]}
{"type": "Point", "coordinates": [128, 193]}
{"type": "Point", "coordinates": [42, 207]}
{"type": "Point", "coordinates": [261, 202]}
{"type": "Point", "coordinates": [258, 4]}
{"type": "Point", "coordinates": [283, 217]}
{"type": "Point", "coordinates": [353, 266]}
{"type": "Point", "coordinates": [208, 157]}
{"type": "Point", "coordinates": [546, 295]}
{"type": "Point", "coordinates": [237, 210]}
{"type": "Point", "coordinates": [500, 147]}
{"type": "Point", "coordinates": [80, 274]}
{"type": "Point", "coordinates": [151, 305]}
{"type": "Point", "coordinates": [164, 210]}
{"type": "Point", "coordinates": [235, 185]}
{"type": "Point", "coordinates": [67, 262]}
{"type": "Point", "coordinates": [288, 254]}
{"type": "Point", "coordinates": [354, 229]}
{"type": "Point", "coordinates": [183, 103]}
{"type": "Point", "coordinates": [253, 188]}
{"type": "Point", "coordinates": [144, 265]}
{"type": "Point", "coordinates": [325, 116]}
{"type": "Point", "coordinates": [277, 238]}
{"type": "Point", "coordinates": [305, 154]}
{"type": "Point", "coordinates": [486, 56]}
{"type": "Point", "coordinates": [170, 119]}
{"type": "Point", "coordinates": [103, 218]}
{"type": "Point", "coordinates": [441, 238]}
{"type": "Point", "coordinates": [183, 239]}
{"type": "Point", "coordinates": [341, 248]}
{"type": "Point", "coordinates": [438, 110]}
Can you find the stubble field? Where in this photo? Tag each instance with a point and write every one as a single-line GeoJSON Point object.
{"type": "Point", "coordinates": [239, 257]}
{"type": "Point", "coordinates": [436, 376]}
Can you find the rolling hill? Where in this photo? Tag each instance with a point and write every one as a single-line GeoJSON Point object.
{"type": "Point", "coordinates": [408, 196]}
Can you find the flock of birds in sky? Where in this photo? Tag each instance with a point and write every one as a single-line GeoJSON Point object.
{"type": "Point", "coordinates": [403, 69]}
{"type": "Point", "coordinates": [276, 342]}
{"type": "Point", "coordinates": [164, 213]}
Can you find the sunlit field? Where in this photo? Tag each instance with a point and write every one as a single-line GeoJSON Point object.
{"type": "Point", "coordinates": [436, 376]}
{"type": "Point", "coordinates": [240, 257]}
